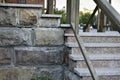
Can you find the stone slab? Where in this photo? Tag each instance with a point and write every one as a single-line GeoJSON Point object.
{"type": "Point", "coordinates": [52, 72]}
{"type": "Point", "coordinates": [21, 5]}
{"type": "Point", "coordinates": [38, 55]}
{"type": "Point", "coordinates": [21, 17]}
{"type": "Point", "coordinates": [17, 73]}
{"type": "Point", "coordinates": [28, 73]}
{"type": "Point", "coordinates": [49, 22]}
{"type": "Point", "coordinates": [5, 56]}
{"type": "Point", "coordinates": [115, 39]}
{"type": "Point", "coordinates": [49, 36]}
{"type": "Point", "coordinates": [15, 36]}
{"type": "Point", "coordinates": [98, 50]}
{"type": "Point", "coordinates": [99, 64]}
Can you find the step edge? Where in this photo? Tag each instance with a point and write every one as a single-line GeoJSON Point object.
{"type": "Point", "coordinates": [99, 71]}
{"type": "Point", "coordinates": [95, 57]}
{"type": "Point", "coordinates": [94, 44]}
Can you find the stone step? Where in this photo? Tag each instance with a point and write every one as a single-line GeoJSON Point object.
{"type": "Point", "coordinates": [96, 57]}
{"type": "Point", "coordinates": [88, 34]}
{"type": "Point", "coordinates": [49, 20]}
{"type": "Point", "coordinates": [20, 15]}
{"type": "Point", "coordinates": [96, 45]}
{"type": "Point", "coordinates": [96, 48]}
{"type": "Point", "coordinates": [98, 60]}
{"type": "Point", "coordinates": [95, 37]}
{"type": "Point", "coordinates": [65, 26]}
{"type": "Point", "coordinates": [99, 71]}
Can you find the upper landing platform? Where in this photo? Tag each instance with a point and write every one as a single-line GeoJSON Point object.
{"type": "Point", "coordinates": [21, 5]}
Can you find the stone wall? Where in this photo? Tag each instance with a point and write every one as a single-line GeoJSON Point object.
{"type": "Point", "coordinates": [31, 44]}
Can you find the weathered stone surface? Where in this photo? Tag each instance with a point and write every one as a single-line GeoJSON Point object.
{"type": "Point", "coordinates": [19, 16]}
{"type": "Point", "coordinates": [52, 72]}
{"type": "Point", "coordinates": [28, 16]}
{"type": "Point", "coordinates": [15, 36]}
{"type": "Point", "coordinates": [27, 73]}
{"type": "Point", "coordinates": [17, 73]}
{"type": "Point", "coordinates": [5, 56]}
{"type": "Point", "coordinates": [7, 16]}
{"type": "Point", "coordinates": [39, 55]}
{"type": "Point", "coordinates": [49, 22]}
{"type": "Point", "coordinates": [98, 50]}
{"type": "Point", "coordinates": [49, 36]}
{"type": "Point", "coordinates": [96, 39]}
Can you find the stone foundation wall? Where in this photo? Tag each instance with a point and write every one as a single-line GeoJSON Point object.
{"type": "Point", "coordinates": [29, 47]}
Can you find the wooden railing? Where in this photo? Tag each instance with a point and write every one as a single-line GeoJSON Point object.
{"type": "Point", "coordinates": [110, 12]}
{"type": "Point", "coordinates": [84, 53]}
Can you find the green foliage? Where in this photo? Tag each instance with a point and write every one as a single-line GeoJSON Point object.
{"type": "Point", "coordinates": [63, 13]}
{"type": "Point", "coordinates": [84, 17]}
{"type": "Point", "coordinates": [40, 78]}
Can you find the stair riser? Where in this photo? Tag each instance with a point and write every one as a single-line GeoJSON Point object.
{"type": "Point", "coordinates": [99, 64]}
{"type": "Point", "coordinates": [97, 50]}
{"type": "Point", "coordinates": [95, 39]}
{"type": "Point", "coordinates": [103, 78]}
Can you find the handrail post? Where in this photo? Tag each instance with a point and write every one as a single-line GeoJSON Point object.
{"type": "Point", "coordinates": [73, 14]}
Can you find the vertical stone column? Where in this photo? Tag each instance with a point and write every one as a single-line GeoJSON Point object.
{"type": "Point", "coordinates": [50, 9]}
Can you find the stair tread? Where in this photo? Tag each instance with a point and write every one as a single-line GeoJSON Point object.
{"type": "Point", "coordinates": [77, 57]}
{"type": "Point", "coordinates": [21, 5]}
{"type": "Point", "coordinates": [99, 71]}
{"type": "Point", "coordinates": [106, 34]}
{"type": "Point", "coordinates": [65, 25]}
{"type": "Point", "coordinates": [94, 44]}
{"type": "Point", "coordinates": [51, 16]}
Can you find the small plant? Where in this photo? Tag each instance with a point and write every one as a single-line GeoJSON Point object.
{"type": "Point", "coordinates": [40, 78]}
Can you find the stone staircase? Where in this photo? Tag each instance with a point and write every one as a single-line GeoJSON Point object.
{"type": "Point", "coordinates": [103, 49]}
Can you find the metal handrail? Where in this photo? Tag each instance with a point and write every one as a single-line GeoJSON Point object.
{"type": "Point", "coordinates": [87, 60]}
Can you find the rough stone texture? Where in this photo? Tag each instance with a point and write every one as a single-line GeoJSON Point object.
{"type": "Point", "coordinates": [17, 73]}
{"type": "Point", "coordinates": [49, 36]}
{"type": "Point", "coordinates": [8, 16]}
{"type": "Point", "coordinates": [19, 16]}
{"type": "Point", "coordinates": [5, 56]}
{"type": "Point", "coordinates": [70, 76]}
{"type": "Point", "coordinates": [27, 73]}
{"type": "Point", "coordinates": [28, 16]}
{"type": "Point", "coordinates": [52, 72]}
{"type": "Point", "coordinates": [15, 36]}
{"type": "Point", "coordinates": [39, 55]}
{"type": "Point", "coordinates": [49, 22]}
